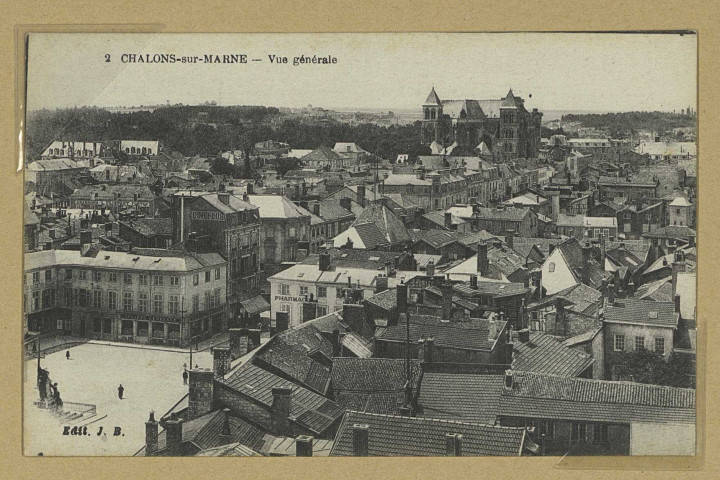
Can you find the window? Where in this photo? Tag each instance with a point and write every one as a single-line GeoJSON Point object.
{"type": "Point", "coordinates": [59, 325]}
{"type": "Point", "coordinates": [619, 343]}
{"type": "Point", "coordinates": [127, 278]}
{"type": "Point", "coordinates": [48, 275]}
{"type": "Point", "coordinates": [96, 276]}
{"type": "Point", "coordinates": [196, 279]}
{"type": "Point", "coordinates": [283, 289]}
{"type": "Point", "coordinates": [303, 291]}
{"type": "Point", "coordinates": [579, 432]}
{"type": "Point", "coordinates": [173, 304]}
{"type": "Point", "coordinates": [142, 302]}
{"type": "Point", "coordinates": [127, 301]}
{"type": "Point", "coordinates": [36, 300]}
{"type": "Point", "coordinates": [639, 343]}
{"type": "Point", "coordinates": [68, 273]}
{"type": "Point", "coordinates": [217, 297]}
{"type": "Point", "coordinates": [207, 276]}
{"type": "Point", "coordinates": [158, 280]}
{"type": "Point", "coordinates": [112, 300]}
{"type": "Point", "coordinates": [600, 433]}
{"type": "Point", "coordinates": [207, 300]}
{"type": "Point", "coordinates": [339, 293]}
{"type": "Point", "coordinates": [292, 232]}
{"type": "Point", "coordinates": [174, 281]}
{"type": "Point", "coordinates": [97, 298]}
{"type": "Point", "coordinates": [544, 427]}
{"type": "Point", "coordinates": [660, 345]}
{"type": "Point", "coordinates": [82, 275]}
{"type": "Point", "coordinates": [158, 303]}
{"type": "Point", "coordinates": [551, 267]}
{"type": "Point", "coordinates": [217, 274]}
{"type": "Point", "coordinates": [48, 298]}
{"type": "Point", "coordinates": [322, 292]}
{"type": "Point", "coordinates": [196, 303]}
{"type": "Point", "coordinates": [36, 277]}
{"type": "Point", "coordinates": [143, 279]}
{"type": "Point", "coordinates": [321, 310]}
{"type": "Point", "coordinates": [112, 277]}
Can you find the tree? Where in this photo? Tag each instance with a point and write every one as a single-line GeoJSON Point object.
{"type": "Point", "coordinates": [644, 366]}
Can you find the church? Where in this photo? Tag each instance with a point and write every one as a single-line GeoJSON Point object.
{"type": "Point", "coordinates": [503, 126]}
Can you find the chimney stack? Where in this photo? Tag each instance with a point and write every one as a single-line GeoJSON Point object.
{"type": "Point", "coordinates": [336, 342]}
{"type": "Point", "coordinates": [509, 381]}
{"type": "Point", "coordinates": [221, 361]}
{"type": "Point", "coordinates": [225, 433]}
{"type": "Point", "coordinates": [510, 239]}
{"type": "Point", "coordinates": [282, 400]}
{"type": "Point", "coordinates": [430, 269]}
{"type": "Point", "coordinates": [173, 436]}
{"type": "Point", "coordinates": [316, 209]}
{"type": "Point", "coordinates": [304, 446]}
{"type": "Point", "coordinates": [324, 261]}
{"type": "Point", "coordinates": [381, 283]}
{"type": "Point", "coordinates": [453, 444]}
{"type": "Point", "coordinates": [482, 258]}
{"type": "Point", "coordinates": [524, 335]}
{"type": "Point", "coordinates": [448, 220]}
{"type": "Point", "coordinates": [151, 435]}
{"type": "Point", "coordinates": [361, 195]}
{"type": "Point", "coordinates": [678, 266]}
{"type": "Point", "coordinates": [447, 296]}
{"type": "Point", "coordinates": [360, 440]}
{"type": "Point", "coordinates": [402, 298]}
{"type": "Point", "coordinates": [473, 281]}
{"type": "Point", "coordinates": [282, 321]}
{"type": "Point", "coordinates": [676, 298]}
{"type": "Point", "coordinates": [224, 197]}
{"type": "Point", "coordinates": [201, 392]}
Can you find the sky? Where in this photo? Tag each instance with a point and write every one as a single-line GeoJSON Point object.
{"type": "Point", "coordinates": [562, 71]}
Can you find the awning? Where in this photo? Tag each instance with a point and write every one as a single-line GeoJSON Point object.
{"type": "Point", "coordinates": [255, 305]}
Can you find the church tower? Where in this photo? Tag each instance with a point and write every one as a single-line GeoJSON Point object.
{"type": "Point", "coordinates": [432, 115]}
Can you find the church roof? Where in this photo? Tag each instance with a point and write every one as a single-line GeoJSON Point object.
{"type": "Point", "coordinates": [433, 98]}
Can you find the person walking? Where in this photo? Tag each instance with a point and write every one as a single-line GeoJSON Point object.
{"type": "Point", "coordinates": [67, 355]}
{"type": "Point", "coordinates": [185, 377]}
{"type": "Point", "coordinates": [121, 390]}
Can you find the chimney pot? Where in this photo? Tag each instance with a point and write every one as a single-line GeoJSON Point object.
{"type": "Point", "coordinates": [360, 439]}
{"type": "Point", "coordinates": [304, 446]}
{"type": "Point", "coordinates": [509, 380]}
{"type": "Point", "coordinates": [453, 445]}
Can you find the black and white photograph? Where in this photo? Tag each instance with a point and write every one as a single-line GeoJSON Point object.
{"type": "Point", "coordinates": [377, 244]}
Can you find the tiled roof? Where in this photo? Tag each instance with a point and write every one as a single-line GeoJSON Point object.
{"type": "Point", "coordinates": [322, 154]}
{"type": "Point", "coordinates": [630, 310]}
{"type": "Point", "coordinates": [497, 289]}
{"type": "Point", "coordinates": [388, 403]}
{"type": "Point", "coordinates": [357, 345]}
{"type": "Point", "coordinates": [543, 354]}
{"type": "Point", "coordinates": [510, 214]}
{"type": "Point", "coordinates": [311, 410]}
{"type": "Point", "coordinates": [465, 397]}
{"type": "Point", "coordinates": [412, 436]}
{"type": "Point", "coordinates": [436, 238]}
{"type": "Point", "coordinates": [624, 181]}
{"type": "Point", "coordinates": [523, 245]}
{"type": "Point", "coordinates": [386, 300]}
{"type": "Point", "coordinates": [371, 235]}
{"type": "Point", "coordinates": [677, 232]}
{"type": "Point", "coordinates": [229, 450]}
{"type": "Point", "coordinates": [151, 226]}
{"type": "Point", "coordinates": [390, 226]}
{"type": "Point", "coordinates": [657, 291]}
{"type": "Point", "coordinates": [461, 335]}
{"type": "Point", "coordinates": [537, 395]}
{"type": "Point", "coordinates": [372, 374]}
{"type": "Point", "coordinates": [276, 206]}
{"type": "Point", "coordinates": [438, 218]}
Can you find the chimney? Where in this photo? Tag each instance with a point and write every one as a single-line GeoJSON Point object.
{"type": "Point", "coordinates": [254, 338]}
{"type": "Point", "coordinates": [509, 345]}
{"type": "Point", "coordinates": [151, 435]}
{"type": "Point", "coordinates": [510, 239]}
{"type": "Point", "coordinates": [428, 350]}
{"type": "Point", "coordinates": [482, 258]}
{"type": "Point", "coordinates": [447, 296]}
{"type": "Point", "coordinates": [221, 361]}
{"type": "Point", "coordinates": [509, 381]}
{"type": "Point", "coordinates": [360, 440]}
{"type": "Point", "coordinates": [631, 288]}
{"type": "Point", "coordinates": [676, 298]}
{"type": "Point", "coordinates": [361, 195]}
{"type": "Point", "coordinates": [611, 294]}
{"type": "Point", "coordinates": [453, 445]}
{"type": "Point", "coordinates": [282, 400]}
{"type": "Point", "coordinates": [473, 281]}
{"type": "Point", "coordinates": [52, 233]}
{"type": "Point", "coordinates": [430, 269]}
{"type": "Point", "coordinates": [238, 342]}
{"type": "Point", "coordinates": [381, 283]}
{"type": "Point", "coordinates": [448, 220]}
{"type": "Point", "coordinates": [524, 335]}
{"type": "Point", "coordinates": [677, 267]}
{"type": "Point", "coordinates": [304, 446]}
{"type": "Point", "coordinates": [224, 197]}
{"type": "Point", "coordinates": [173, 436]}
{"type": "Point", "coordinates": [201, 389]}
{"type": "Point", "coordinates": [602, 250]}
{"type": "Point", "coordinates": [316, 209]}
{"type": "Point", "coordinates": [85, 237]}
{"type": "Point", "coordinates": [336, 342]}
{"type": "Point", "coordinates": [225, 433]}
{"type": "Point", "coordinates": [402, 298]}
{"type": "Point", "coordinates": [324, 261]}
{"type": "Point", "coordinates": [282, 321]}
{"type": "Point", "coordinates": [250, 188]}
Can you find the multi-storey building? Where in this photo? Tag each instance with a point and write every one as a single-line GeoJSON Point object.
{"type": "Point", "coordinates": [513, 131]}
{"type": "Point", "coordinates": [223, 223]}
{"type": "Point", "coordinates": [116, 198]}
{"type": "Point", "coordinates": [144, 296]}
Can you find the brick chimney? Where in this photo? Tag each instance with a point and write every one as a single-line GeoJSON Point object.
{"type": "Point", "coordinates": [453, 444]}
{"type": "Point", "coordinates": [677, 267]}
{"type": "Point", "coordinates": [280, 413]}
{"type": "Point", "coordinates": [509, 380]}
{"type": "Point", "coordinates": [448, 220]}
{"type": "Point", "coordinates": [316, 209]}
{"type": "Point", "coordinates": [524, 335]}
{"type": "Point", "coordinates": [151, 435]}
{"type": "Point", "coordinates": [224, 197]}
{"type": "Point", "coordinates": [361, 195]}
{"type": "Point", "coordinates": [473, 281]}
{"type": "Point", "coordinates": [254, 338]}
{"type": "Point", "coordinates": [360, 439]}
{"type": "Point", "coordinates": [447, 296]}
{"type": "Point", "coordinates": [676, 299]}
{"type": "Point", "coordinates": [324, 262]}
{"type": "Point", "coordinates": [173, 436]}
{"type": "Point", "coordinates": [238, 342]}
{"type": "Point", "coordinates": [510, 239]}
{"type": "Point", "coordinates": [304, 446]}
{"type": "Point", "coordinates": [336, 342]}
{"type": "Point", "coordinates": [430, 269]}
{"type": "Point", "coordinates": [381, 283]}
{"type": "Point", "coordinates": [482, 258]}
{"type": "Point", "coordinates": [282, 321]}
{"type": "Point", "coordinates": [201, 391]}
{"type": "Point", "coordinates": [225, 434]}
{"type": "Point", "coordinates": [221, 361]}
{"type": "Point", "coordinates": [402, 298]}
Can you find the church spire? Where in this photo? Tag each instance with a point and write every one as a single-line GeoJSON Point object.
{"type": "Point", "coordinates": [433, 98]}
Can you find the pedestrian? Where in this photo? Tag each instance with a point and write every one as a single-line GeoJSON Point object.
{"type": "Point", "coordinates": [185, 377]}
{"type": "Point", "coordinates": [196, 366]}
{"type": "Point", "coordinates": [121, 390]}
{"type": "Point", "coordinates": [67, 355]}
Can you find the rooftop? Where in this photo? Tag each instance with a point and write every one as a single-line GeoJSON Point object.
{"type": "Point", "coordinates": [633, 311]}
{"type": "Point", "coordinates": [544, 354]}
{"type": "Point", "coordinates": [467, 397]}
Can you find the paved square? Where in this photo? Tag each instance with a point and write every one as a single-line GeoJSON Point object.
{"type": "Point", "coordinates": [152, 380]}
